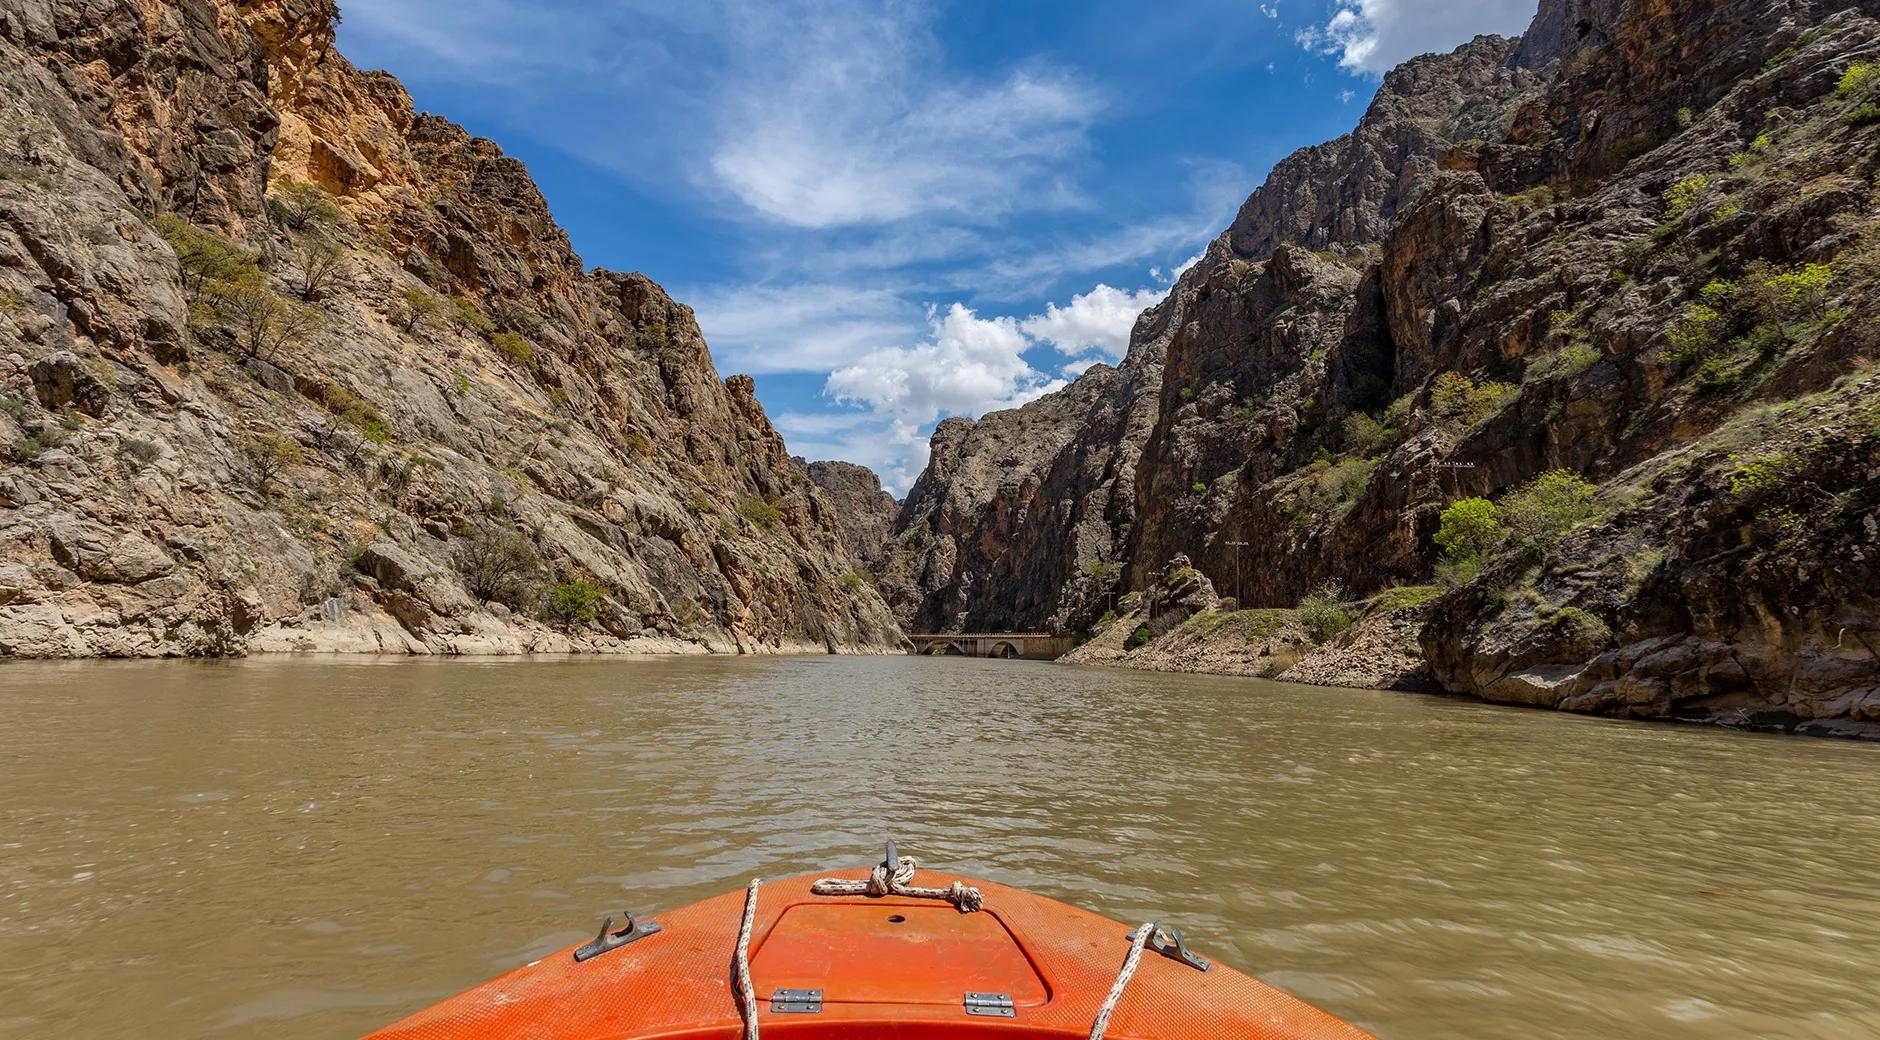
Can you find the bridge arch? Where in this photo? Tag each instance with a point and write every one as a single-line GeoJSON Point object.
{"type": "Point", "coordinates": [1006, 650]}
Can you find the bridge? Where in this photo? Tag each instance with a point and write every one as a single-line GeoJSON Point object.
{"type": "Point", "coordinates": [1035, 646]}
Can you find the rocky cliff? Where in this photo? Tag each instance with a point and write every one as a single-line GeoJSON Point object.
{"type": "Point", "coordinates": [1606, 290]}
{"type": "Point", "coordinates": [288, 365]}
{"type": "Point", "coordinates": [863, 511]}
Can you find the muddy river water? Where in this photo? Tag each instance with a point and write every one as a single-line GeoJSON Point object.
{"type": "Point", "coordinates": [294, 848]}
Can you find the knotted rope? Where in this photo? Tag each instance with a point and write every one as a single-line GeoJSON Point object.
{"type": "Point", "coordinates": [1122, 978]}
{"type": "Point", "coordinates": [882, 882]}
{"type": "Point", "coordinates": [747, 1004]}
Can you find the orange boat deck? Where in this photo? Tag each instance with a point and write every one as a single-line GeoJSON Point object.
{"type": "Point", "coordinates": [887, 967]}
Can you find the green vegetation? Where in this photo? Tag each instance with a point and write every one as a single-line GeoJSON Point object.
{"type": "Point", "coordinates": [318, 263]}
{"type": "Point", "coordinates": [1586, 624]}
{"type": "Point", "coordinates": [1469, 528]}
{"type": "Point", "coordinates": [700, 505]}
{"type": "Point", "coordinates": [1321, 614]}
{"type": "Point", "coordinates": [637, 444]}
{"type": "Point", "coordinates": [1198, 489]}
{"type": "Point", "coordinates": [356, 411]}
{"type": "Point", "coordinates": [497, 565]}
{"type": "Point", "coordinates": [854, 580]}
{"type": "Point", "coordinates": [1139, 637]}
{"type": "Point", "coordinates": [573, 604]}
{"type": "Point", "coordinates": [206, 258]}
{"type": "Point", "coordinates": [303, 206]}
{"type": "Point", "coordinates": [1455, 397]}
{"type": "Point", "coordinates": [466, 315]}
{"type": "Point", "coordinates": [760, 512]}
{"type": "Point", "coordinates": [1360, 434]}
{"type": "Point", "coordinates": [1695, 334]}
{"type": "Point", "coordinates": [1863, 114]}
{"type": "Point", "coordinates": [264, 323]}
{"type": "Point", "coordinates": [1404, 597]}
{"type": "Point", "coordinates": [268, 454]}
{"type": "Point", "coordinates": [1686, 117]}
{"type": "Point", "coordinates": [514, 348]}
{"type": "Point", "coordinates": [1681, 195]}
{"type": "Point", "coordinates": [1858, 78]}
{"type": "Point", "coordinates": [1794, 296]}
{"type": "Point", "coordinates": [420, 308]}
{"type": "Point", "coordinates": [1758, 472]}
{"type": "Point", "coordinates": [1541, 512]}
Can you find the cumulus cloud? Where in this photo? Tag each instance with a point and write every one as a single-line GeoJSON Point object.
{"type": "Point", "coordinates": [1371, 36]}
{"type": "Point", "coordinates": [1098, 320]}
{"type": "Point", "coordinates": [967, 365]}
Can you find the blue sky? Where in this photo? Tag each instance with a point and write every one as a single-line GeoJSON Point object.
{"type": "Point", "coordinates": [893, 212]}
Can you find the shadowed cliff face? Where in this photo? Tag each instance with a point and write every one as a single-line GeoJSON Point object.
{"type": "Point", "coordinates": [1562, 252]}
{"type": "Point", "coordinates": [184, 480]}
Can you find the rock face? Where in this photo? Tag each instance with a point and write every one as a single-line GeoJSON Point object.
{"type": "Point", "coordinates": [290, 366]}
{"type": "Point", "coordinates": [1586, 250]}
{"type": "Point", "coordinates": [863, 511]}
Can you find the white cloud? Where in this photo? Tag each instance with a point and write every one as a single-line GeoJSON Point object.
{"type": "Point", "coordinates": [801, 327]}
{"type": "Point", "coordinates": [968, 365]}
{"type": "Point", "coordinates": [854, 119]}
{"type": "Point", "coordinates": [1372, 36]}
{"type": "Point", "coordinates": [1098, 320]}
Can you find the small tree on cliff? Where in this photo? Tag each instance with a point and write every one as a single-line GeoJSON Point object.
{"type": "Point", "coordinates": [497, 565]}
{"type": "Point", "coordinates": [1467, 530]}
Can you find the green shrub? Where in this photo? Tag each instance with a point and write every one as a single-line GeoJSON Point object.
{"type": "Point", "coordinates": [514, 348]}
{"type": "Point", "coordinates": [1320, 613]}
{"type": "Point", "coordinates": [1757, 472]}
{"type": "Point", "coordinates": [1360, 433]}
{"type": "Point", "coordinates": [269, 453]}
{"type": "Point", "coordinates": [304, 206]}
{"type": "Point", "coordinates": [420, 307]}
{"type": "Point", "coordinates": [1699, 331]}
{"type": "Point", "coordinates": [264, 323]}
{"type": "Point", "coordinates": [26, 449]}
{"type": "Point", "coordinates": [496, 564]}
{"type": "Point", "coordinates": [1137, 638]}
{"type": "Point", "coordinates": [1198, 488]}
{"type": "Point", "coordinates": [1793, 296]}
{"type": "Point", "coordinates": [636, 443]}
{"type": "Point", "coordinates": [700, 505]}
{"type": "Point", "coordinates": [1863, 114]}
{"type": "Point", "coordinates": [1108, 619]}
{"type": "Point", "coordinates": [1681, 195]}
{"type": "Point", "coordinates": [854, 580]}
{"type": "Point", "coordinates": [1858, 77]}
{"type": "Point", "coordinates": [1542, 511]}
{"type": "Point", "coordinates": [1455, 397]}
{"type": "Point", "coordinates": [573, 604]}
{"type": "Point", "coordinates": [465, 314]}
{"type": "Point", "coordinates": [1686, 117]}
{"type": "Point", "coordinates": [760, 512]}
{"type": "Point", "coordinates": [356, 411]}
{"type": "Point", "coordinates": [206, 258]}
{"type": "Point", "coordinates": [1469, 527]}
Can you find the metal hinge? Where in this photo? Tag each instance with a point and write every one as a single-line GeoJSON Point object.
{"type": "Point", "coordinates": [990, 1005]}
{"type": "Point", "coordinates": [796, 1002]}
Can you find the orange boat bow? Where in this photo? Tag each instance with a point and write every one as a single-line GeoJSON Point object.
{"type": "Point", "coordinates": [891, 966]}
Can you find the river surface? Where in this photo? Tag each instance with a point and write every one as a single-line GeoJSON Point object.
{"type": "Point", "coordinates": [294, 848]}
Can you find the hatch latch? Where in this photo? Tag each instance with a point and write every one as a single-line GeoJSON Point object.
{"type": "Point", "coordinates": [989, 1005]}
{"type": "Point", "coordinates": [796, 1002]}
{"type": "Point", "coordinates": [613, 939]}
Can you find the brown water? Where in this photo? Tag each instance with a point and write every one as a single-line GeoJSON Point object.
{"type": "Point", "coordinates": [309, 848]}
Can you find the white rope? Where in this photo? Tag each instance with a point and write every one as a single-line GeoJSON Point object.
{"type": "Point", "coordinates": [1122, 979]}
{"type": "Point", "coordinates": [747, 1004]}
{"type": "Point", "coordinates": [881, 883]}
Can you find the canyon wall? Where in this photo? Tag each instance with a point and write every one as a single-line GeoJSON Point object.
{"type": "Point", "coordinates": [289, 366]}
